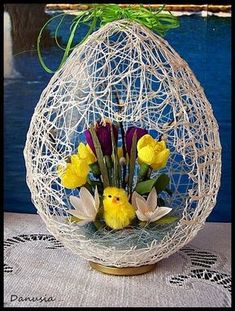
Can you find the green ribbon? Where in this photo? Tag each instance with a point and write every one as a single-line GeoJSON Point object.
{"type": "Point", "coordinates": [159, 21]}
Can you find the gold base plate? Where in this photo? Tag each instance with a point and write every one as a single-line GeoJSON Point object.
{"type": "Point", "coordinates": [125, 271]}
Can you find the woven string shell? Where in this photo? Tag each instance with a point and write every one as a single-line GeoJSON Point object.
{"type": "Point", "coordinates": [157, 91]}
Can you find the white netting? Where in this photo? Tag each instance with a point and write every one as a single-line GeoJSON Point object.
{"type": "Point", "coordinates": [159, 92]}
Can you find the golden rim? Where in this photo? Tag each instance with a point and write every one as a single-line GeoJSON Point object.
{"type": "Point", "coordinates": [124, 271]}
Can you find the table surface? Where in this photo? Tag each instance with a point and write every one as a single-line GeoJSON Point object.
{"type": "Point", "coordinates": [39, 271]}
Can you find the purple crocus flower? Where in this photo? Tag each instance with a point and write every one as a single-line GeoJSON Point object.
{"type": "Point", "coordinates": [129, 135]}
{"type": "Point", "coordinates": [103, 132]}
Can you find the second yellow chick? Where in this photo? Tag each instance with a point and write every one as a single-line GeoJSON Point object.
{"type": "Point", "coordinates": [118, 212]}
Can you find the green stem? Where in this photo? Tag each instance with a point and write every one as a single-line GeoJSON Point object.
{"type": "Point", "coordinates": [143, 172]}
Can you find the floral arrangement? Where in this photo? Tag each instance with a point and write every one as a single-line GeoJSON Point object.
{"type": "Point", "coordinates": [104, 172]}
{"type": "Point", "coordinates": [117, 187]}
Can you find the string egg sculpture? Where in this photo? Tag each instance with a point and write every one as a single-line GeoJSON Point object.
{"type": "Point", "coordinates": [125, 73]}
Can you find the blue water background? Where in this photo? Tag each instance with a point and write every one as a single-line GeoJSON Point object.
{"type": "Point", "coordinates": [205, 43]}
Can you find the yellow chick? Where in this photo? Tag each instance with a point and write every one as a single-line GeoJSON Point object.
{"type": "Point", "coordinates": [118, 212]}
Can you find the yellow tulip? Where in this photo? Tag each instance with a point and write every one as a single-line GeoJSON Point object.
{"type": "Point", "coordinates": [74, 174]}
{"type": "Point", "coordinates": [152, 152]}
{"type": "Point", "coordinates": [85, 153]}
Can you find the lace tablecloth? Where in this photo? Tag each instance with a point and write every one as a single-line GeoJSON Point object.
{"type": "Point", "coordinates": [40, 272]}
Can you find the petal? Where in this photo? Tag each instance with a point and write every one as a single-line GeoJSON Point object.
{"type": "Point", "coordinates": [152, 199]}
{"type": "Point", "coordinates": [163, 155]}
{"type": "Point", "coordinates": [75, 159]}
{"type": "Point", "coordinates": [133, 198]}
{"type": "Point", "coordinates": [144, 141]}
{"type": "Point", "coordinates": [79, 166]}
{"type": "Point", "coordinates": [161, 159]}
{"type": "Point", "coordinates": [92, 158]}
{"type": "Point", "coordinates": [90, 150]}
{"type": "Point", "coordinates": [76, 213]}
{"type": "Point", "coordinates": [88, 201]}
{"type": "Point", "coordinates": [79, 206]}
{"type": "Point", "coordinates": [82, 151]}
{"type": "Point", "coordinates": [142, 206]}
{"type": "Point", "coordinates": [76, 202]}
{"type": "Point", "coordinates": [85, 153]}
{"type": "Point", "coordinates": [146, 154]}
{"type": "Point", "coordinates": [70, 180]}
{"type": "Point", "coordinates": [89, 140]}
{"type": "Point", "coordinates": [103, 132]}
{"type": "Point", "coordinates": [160, 146]}
{"type": "Point", "coordinates": [141, 216]}
{"type": "Point", "coordinates": [160, 212]}
{"type": "Point", "coordinates": [81, 181]}
{"type": "Point", "coordinates": [86, 196]}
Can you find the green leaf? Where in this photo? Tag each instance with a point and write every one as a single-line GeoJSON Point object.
{"type": "Point", "coordinates": [145, 186]}
{"type": "Point", "coordinates": [161, 183]}
{"type": "Point", "coordinates": [166, 220]}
